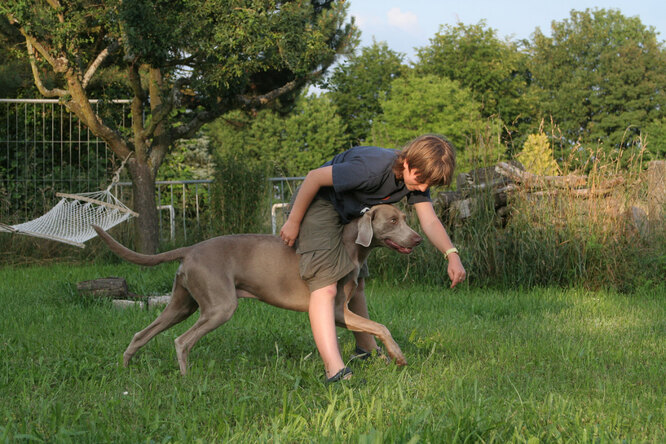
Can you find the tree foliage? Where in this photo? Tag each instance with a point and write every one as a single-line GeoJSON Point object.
{"type": "Point", "coordinates": [185, 63]}
{"type": "Point", "coordinates": [285, 145]}
{"type": "Point", "coordinates": [427, 104]}
{"type": "Point", "coordinates": [15, 76]}
{"type": "Point", "coordinates": [601, 76]}
{"type": "Point", "coordinates": [359, 84]}
{"type": "Point", "coordinates": [493, 70]}
{"type": "Point", "coordinates": [656, 138]}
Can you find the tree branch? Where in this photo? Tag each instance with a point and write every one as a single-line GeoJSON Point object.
{"type": "Point", "coordinates": [55, 4]}
{"type": "Point", "coordinates": [59, 65]}
{"type": "Point", "coordinates": [79, 104]}
{"type": "Point", "coordinates": [98, 61]}
{"type": "Point", "coordinates": [34, 44]}
{"type": "Point", "coordinates": [271, 95]}
{"type": "Point", "coordinates": [189, 129]}
{"type": "Point", "coordinates": [135, 82]}
{"type": "Point", "coordinates": [56, 92]}
{"type": "Point", "coordinates": [161, 111]}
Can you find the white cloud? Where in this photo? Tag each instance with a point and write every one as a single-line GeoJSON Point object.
{"type": "Point", "coordinates": [406, 21]}
{"type": "Point", "coordinates": [367, 21]}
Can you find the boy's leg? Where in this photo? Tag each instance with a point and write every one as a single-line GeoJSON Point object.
{"type": "Point", "coordinates": [323, 262]}
{"type": "Point", "coordinates": [358, 305]}
{"type": "Point", "coordinates": [322, 322]}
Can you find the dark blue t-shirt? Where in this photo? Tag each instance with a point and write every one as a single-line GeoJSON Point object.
{"type": "Point", "coordinates": [363, 177]}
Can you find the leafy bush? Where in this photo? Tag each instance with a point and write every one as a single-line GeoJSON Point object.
{"type": "Point", "coordinates": [537, 155]}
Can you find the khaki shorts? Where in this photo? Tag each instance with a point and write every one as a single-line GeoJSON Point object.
{"type": "Point", "coordinates": [323, 258]}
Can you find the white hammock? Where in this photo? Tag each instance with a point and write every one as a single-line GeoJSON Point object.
{"type": "Point", "coordinates": [71, 219]}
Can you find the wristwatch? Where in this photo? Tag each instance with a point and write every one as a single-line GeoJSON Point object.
{"type": "Point", "coordinates": [450, 251]}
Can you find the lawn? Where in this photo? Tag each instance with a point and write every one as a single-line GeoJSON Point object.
{"type": "Point", "coordinates": [488, 365]}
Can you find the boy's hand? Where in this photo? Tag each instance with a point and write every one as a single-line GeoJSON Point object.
{"type": "Point", "coordinates": [456, 270]}
{"type": "Point", "coordinates": [289, 232]}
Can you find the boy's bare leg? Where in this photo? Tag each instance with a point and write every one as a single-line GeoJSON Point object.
{"type": "Point", "coordinates": [322, 322]}
{"type": "Point", "coordinates": [358, 305]}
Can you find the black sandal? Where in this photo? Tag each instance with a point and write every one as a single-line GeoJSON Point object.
{"type": "Point", "coordinates": [343, 374]}
{"type": "Point", "coordinates": [362, 355]}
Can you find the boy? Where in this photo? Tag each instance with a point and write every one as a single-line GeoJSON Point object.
{"type": "Point", "coordinates": [340, 191]}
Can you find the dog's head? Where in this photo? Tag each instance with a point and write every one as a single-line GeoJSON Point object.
{"type": "Point", "coordinates": [387, 226]}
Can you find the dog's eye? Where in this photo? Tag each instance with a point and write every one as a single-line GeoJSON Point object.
{"type": "Point", "coordinates": [394, 220]}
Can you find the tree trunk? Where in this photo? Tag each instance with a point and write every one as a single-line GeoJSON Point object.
{"type": "Point", "coordinates": [146, 226]}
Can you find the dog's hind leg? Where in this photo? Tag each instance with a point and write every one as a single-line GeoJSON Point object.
{"type": "Point", "coordinates": [180, 307]}
{"type": "Point", "coordinates": [213, 313]}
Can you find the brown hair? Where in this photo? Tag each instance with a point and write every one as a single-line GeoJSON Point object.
{"type": "Point", "coordinates": [432, 155]}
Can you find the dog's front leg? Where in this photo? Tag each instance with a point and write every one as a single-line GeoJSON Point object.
{"type": "Point", "coordinates": [353, 322]}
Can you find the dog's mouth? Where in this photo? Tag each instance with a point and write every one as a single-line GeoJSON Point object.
{"type": "Point", "coordinates": [392, 245]}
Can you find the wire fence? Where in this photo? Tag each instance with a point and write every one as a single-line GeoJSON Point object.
{"type": "Point", "coordinates": [45, 149]}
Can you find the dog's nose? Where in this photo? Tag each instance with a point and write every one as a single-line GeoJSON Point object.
{"type": "Point", "coordinates": [416, 239]}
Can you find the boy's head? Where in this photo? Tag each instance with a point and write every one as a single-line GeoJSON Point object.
{"type": "Point", "coordinates": [432, 156]}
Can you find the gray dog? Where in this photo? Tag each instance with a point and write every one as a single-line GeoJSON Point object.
{"type": "Point", "coordinates": [213, 274]}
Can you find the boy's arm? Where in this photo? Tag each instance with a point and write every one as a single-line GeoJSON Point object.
{"type": "Point", "coordinates": [315, 179]}
{"type": "Point", "coordinates": [436, 233]}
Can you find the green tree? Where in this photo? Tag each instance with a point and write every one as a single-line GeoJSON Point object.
{"type": "Point", "coordinates": [494, 70]}
{"type": "Point", "coordinates": [313, 134]}
{"type": "Point", "coordinates": [656, 138]}
{"type": "Point", "coordinates": [358, 84]}
{"type": "Point", "coordinates": [601, 76]}
{"type": "Point", "coordinates": [428, 104]}
{"type": "Point", "coordinates": [186, 63]}
{"type": "Point", "coordinates": [537, 155]}
{"type": "Point", "coordinates": [286, 145]}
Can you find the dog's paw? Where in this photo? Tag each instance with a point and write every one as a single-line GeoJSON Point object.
{"type": "Point", "coordinates": [400, 361]}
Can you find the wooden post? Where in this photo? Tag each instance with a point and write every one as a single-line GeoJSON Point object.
{"type": "Point", "coordinates": [656, 177]}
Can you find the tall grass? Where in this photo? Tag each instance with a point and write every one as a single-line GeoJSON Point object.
{"type": "Point", "coordinates": [552, 237]}
{"type": "Point", "coordinates": [240, 195]}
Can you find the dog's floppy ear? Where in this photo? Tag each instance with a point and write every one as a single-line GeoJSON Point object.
{"type": "Point", "coordinates": [364, 236]}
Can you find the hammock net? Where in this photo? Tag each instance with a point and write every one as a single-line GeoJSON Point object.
{"type": "Point", "coordinates": [71, 220]}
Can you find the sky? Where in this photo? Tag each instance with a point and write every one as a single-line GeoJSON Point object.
{"type": "Point", "coordinates": [405, 25]}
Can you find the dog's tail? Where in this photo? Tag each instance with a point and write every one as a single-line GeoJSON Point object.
{"type": "Point", "coordinates": [138, 258]}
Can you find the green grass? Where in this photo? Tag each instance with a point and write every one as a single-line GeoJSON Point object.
{"type": "Point", "coordinates": [548, 365]}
